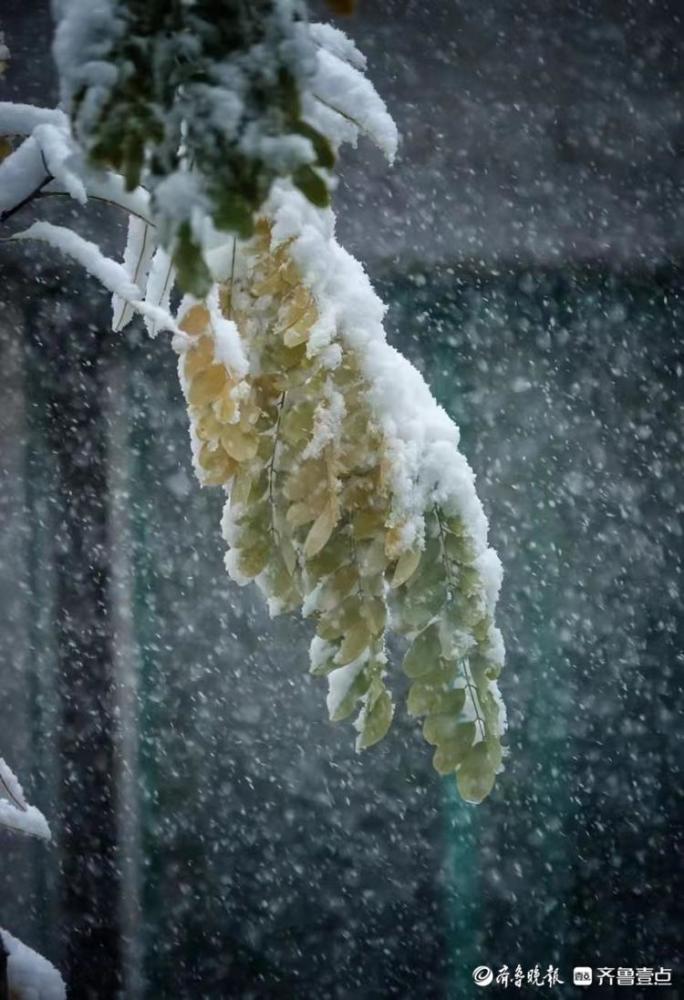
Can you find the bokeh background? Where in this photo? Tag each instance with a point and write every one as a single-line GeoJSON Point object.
{"type": "Point", "coordinates": [215, 836]}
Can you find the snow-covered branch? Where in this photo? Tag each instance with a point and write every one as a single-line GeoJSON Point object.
{"type": "Point", "coordinates": [15, 813]}
{"type": "Point", "coordinates": [29, 975]}
{"type": "Point", "coordinates": [348, 497]}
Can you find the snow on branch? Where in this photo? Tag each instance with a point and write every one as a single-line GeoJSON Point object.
{"type": "Point", "coordinates": [348, 94]}
{"type": "Point", "coordinates": [15, 813]}
{"type": "Point", "coordinates": [29, 975]}
{"type": "Point", "coordinates": [22, 119]}
{"type": "Point", "coordinates": [114, 276]}
{"type": "Point", "coordinates": [22, 175]}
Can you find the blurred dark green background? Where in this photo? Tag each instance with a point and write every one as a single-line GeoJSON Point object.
{"type": "Point", "coordinates": [268, 858]}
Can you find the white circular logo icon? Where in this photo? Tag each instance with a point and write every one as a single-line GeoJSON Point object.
{"type": "Point", "coordinates": [482, 975]}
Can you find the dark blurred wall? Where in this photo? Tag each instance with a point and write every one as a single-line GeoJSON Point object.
{"type": "Point", "coordinates": [542, 130]}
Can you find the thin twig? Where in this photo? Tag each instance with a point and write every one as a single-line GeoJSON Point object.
{"type": "Point", "coordinates": [271, 467]}
{"type": "Point", "coordinates": [470, 683]}
{"type": "Point", "coordinates": [341, 113]}
{"type": "Point", "coordinates": [232, 279]}
{"type": "Point", "coordinates": [4, 216]}
{"type": "Point", "coordinates": [104, 201]}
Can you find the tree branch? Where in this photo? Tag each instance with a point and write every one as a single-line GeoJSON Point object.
{"type": "Point", "coordinates": [4, 216]}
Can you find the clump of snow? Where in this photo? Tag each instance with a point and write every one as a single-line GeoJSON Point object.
{"type": "Point", "coordinates": [180, 198]}
{"type": "Point", "coordinates": [85, 33]}
{"type": "Point", "coordinates": [228, 348]}
{"type": "Point", "coordinates": [338, 44]}
{"type": "Point", "coordinates": [320, 652]}
{"type": "Point", "coordinates": [489, 567]}
{"type": "Point", "coordinates": [232, 561]}
{"type": "Point", "coordinates": [59, 157]}
{"type": "Point", "coordinates": [22, 119]}
{"type": "Point", "coordinates": [29, 820]}
{"type": "Point", "coordinates": [327, 422]}
{"type": "Point", "coordinates": [501, 705]}
{"type": "Point", "coordinates": [230, 523]}
{"type": "Point", "coordinates": [340, 681]}
{"type": "Point", "coordinates": [15, 813]}
{"type": "Point", "coordinates": [284, 153]}
{"type": "Point", "coordinates": [30, 976]}
{"type": "Point", "coordinates": [21, 173]}
{"type": "Point", "coordinates": [345, 91]}
{"type": "Point", "coordinates": [10, 786]}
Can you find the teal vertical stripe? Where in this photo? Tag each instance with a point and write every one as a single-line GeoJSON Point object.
{"type": "Point", "coordinates": [462, 891]}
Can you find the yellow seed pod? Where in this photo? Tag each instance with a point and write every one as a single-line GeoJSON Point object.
{"type": "Point", "coordinates": [368, 523]}
{"type": "Point", "coordinates": [208, 427]}
{"type": "Point", "coordinates": [304, 480]}
{"type": "Point", "coordinates": [196, 320]}
{"type": "Point", "coordinates": [300, 513]}
{"type": "Point", "coordinates": [198, 357]}
{"type": "Point", "coordinates": [322, 529]}
{"type": "Point", "coordinates": [218, 465]}
{"type": "Point", "coordinates": [407, 564]}
{"type": "Point", "coordinates": [207, 385]}
{"type": "Point", "coordinates": [225, 406]}
{"type": "Point", "coordinates": [240, 446]}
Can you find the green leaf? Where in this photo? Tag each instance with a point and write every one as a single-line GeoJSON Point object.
{"type": "Point", "coordinates": [191, 270]}
{"type": "Point", "coordinates": [450, 754]}
{"type": "Point", "coordinates": [312, 186]}
{"type": "Point", "coordinates": [432, 699]}
{"type": "Point", "coordinates": [326, 666]}
{"type": "Point", "coordinates": [233, 213]}
{"type": "Point", "coordinates": [476, 775]}
{"type": "Point", "coordinates": [376, 721]}
{"type": "Point", "coordinates": [357, 689]}
{"type": "Point", "coordinates": [325, 156]}
{"type": "Point", "coordinates": [423, 655]}
{"type": "Point", "coordinates": [253, 559]}
{"type": "Point", "coordinates": [443, 726]}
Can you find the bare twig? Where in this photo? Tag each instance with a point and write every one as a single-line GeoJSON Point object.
{"type": "Point", "coordinates": [4, 216]}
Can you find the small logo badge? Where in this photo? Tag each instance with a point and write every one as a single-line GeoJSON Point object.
{"type": "Point", "coordinates": [582, 975]}
{"type": "Point", "coordinates": [482, 975]}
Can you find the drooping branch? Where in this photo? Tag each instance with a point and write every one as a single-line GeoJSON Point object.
{"type": "Point", "coordinates": [348, 495]}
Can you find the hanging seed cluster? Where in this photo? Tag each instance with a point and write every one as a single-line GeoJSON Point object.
{"type": "Point", "coordinates": [310, 517]}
